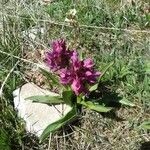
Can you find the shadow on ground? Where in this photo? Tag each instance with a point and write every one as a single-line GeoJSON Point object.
{"type": "Point", "coordinates": [104, 95]}
{"type": "Point", "coordinates": [145, 146]}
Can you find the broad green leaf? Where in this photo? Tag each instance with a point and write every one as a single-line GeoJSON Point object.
{"type": "Point", "coordinates": [126, 102]}
{"type": "Point", "coordinates": [56, 125]}
{"type": "Point", "coordinates": [145, 125]}
{"type": "Point", "coordinates": [95, 106]}
{"type": "Point", "coordinates": [98, 107]}
{"type": "Point", "coordinates": [67, 97]}
{"type": "Point", "coordinates": [48, 99]}
{"type": "Point", "coordinates": [50, 76]}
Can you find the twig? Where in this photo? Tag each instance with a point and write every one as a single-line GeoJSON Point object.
{"type": "Point", "coordinates": [49, 143]}
{"type": "Point", "coordinates": [88, 26]}
{"type": "Point", "coordinates": [22, 59]}
{"type": "Point", "coordinates": [118, 29]}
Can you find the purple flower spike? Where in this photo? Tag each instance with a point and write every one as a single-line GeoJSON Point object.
{"type": "Point", "coordinates": [59, 57]}
{"type": "Point", "coordinates": [79, 74]}
{"type": "Point", "coordinates": [71, 70]}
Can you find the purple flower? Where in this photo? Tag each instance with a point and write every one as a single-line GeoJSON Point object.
{"type": "Point", "coordinates": [70, 69]}
{"type": "Point", "coordinates": [79, 74]}
{"type": "Point", "coordinates": [59, 56]}
{"type": "Point", "coordinates": [91, 76]}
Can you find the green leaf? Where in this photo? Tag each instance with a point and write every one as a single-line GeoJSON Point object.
{"type": "Point", "coordinates": [93, 88]}
{"type": "Point", "coordinates": [103, 73]}
{"type": "Point", "coordinates": [147, 68]}
{"type": "Point", "coordinates": [81, 55]}
{"type": "Point", "coordinates": [48, 99]}
{"type": "Point", "coordinates": [50, 76]}
{"type": "Point", "coordinates": [56, 125]}
{"type": "Point", "coordinates": [145, 125]}
{"type": "Point", "coordinates": [67, 97]}
{"type": "Point", "coordinates": [95, 106]}
{"type": "Point", "coordinates": [126, 102]}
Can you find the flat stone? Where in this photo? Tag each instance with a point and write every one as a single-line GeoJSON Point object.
{"type": "Point", "coordinates": [37, 115]}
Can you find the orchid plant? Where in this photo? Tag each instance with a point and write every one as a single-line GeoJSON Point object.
{"type": "Point", "coordinates": [76, 76]}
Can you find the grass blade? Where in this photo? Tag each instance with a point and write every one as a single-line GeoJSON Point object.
{"type": "Point", "coordinates": [103, 73]}
{"type": "Point", "coordinates": [124, 101]}
{"type": "Point", "coordinates": [145, 125]}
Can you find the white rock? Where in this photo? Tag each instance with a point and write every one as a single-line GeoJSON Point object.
{"type": "Point", "coordinates": [36, 115]}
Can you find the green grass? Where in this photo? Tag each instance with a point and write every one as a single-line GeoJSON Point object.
{"type": "Point", "coordinates": [128, 78]}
